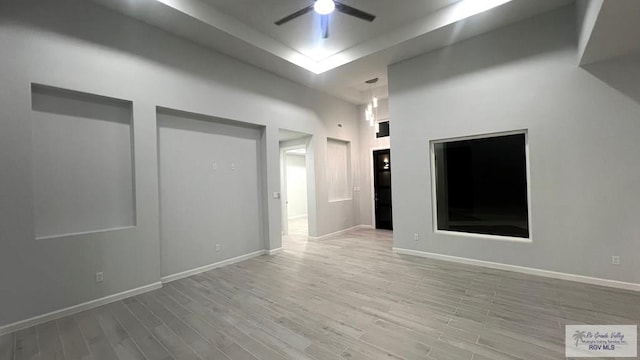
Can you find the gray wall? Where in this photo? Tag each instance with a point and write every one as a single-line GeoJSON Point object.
{"type": "Point", "coordinates": [583, 142]}
{"type": "Point", "coordinates": [200, 206]}
{"type": "Point", "coordinates": [81, 46]}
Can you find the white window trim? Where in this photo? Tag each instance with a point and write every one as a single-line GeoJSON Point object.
{"type": "Point", "coordinates": [434, 205]}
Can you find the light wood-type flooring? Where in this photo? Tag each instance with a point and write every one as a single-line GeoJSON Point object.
{"type": "Point", "coordinates": [299, 226]}
{"type": "Point", "coordinates": [348, 297]}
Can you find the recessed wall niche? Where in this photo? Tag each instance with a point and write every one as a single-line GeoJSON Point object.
{"type": "Point", "coordinates": [211, 186]}
{"type": "Point", "coordinates": [83, 177]}
{"type": "Point", "coordinates": [338, 169]}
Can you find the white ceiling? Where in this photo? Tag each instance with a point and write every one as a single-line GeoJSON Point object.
{"type": "Point", "coordinates": [355, 51]}
{"type": "Point", "coordinates": [303, 34]}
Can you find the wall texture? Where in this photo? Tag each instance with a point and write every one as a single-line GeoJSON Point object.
{"type": "Point", "coordinates": [583, 143]}
{"type": "Point", "coordinates": [81, 46]}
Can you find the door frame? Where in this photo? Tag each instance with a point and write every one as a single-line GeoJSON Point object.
{"type": "Point", "coordinates": [284, 210]}
{"type": "Point", "coordinates": [372, 182]}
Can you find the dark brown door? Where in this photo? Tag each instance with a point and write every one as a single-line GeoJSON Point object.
{"type": "Point", "coordinates": [382, 188]}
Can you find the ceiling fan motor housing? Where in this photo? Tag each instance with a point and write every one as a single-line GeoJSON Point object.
{"type": "Point", "coordinates": [324, 8]}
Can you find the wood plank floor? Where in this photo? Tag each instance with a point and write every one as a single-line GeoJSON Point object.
{"type": "Point", "coordinates": [299, 226]}
{"type": "Point", "coordinates": [344, 298]}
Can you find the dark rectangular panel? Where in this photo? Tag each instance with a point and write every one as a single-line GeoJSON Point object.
{"type": "Point", "coordinates": [383, 129]}
{"type": "Point", "coordinates": [481, 186]}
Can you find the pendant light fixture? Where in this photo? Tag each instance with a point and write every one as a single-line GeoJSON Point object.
{"type": "Point", "coordinates": [371, 111]}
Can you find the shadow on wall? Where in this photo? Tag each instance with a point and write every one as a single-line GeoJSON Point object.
{"type": "Point", "coordinates": [81, 105]}
{"type": "Point", "coordinates": [224, 127]}
{"type": "Point", "coordinates": [621, 74]}
{"type": "Point", "coordinates": [96, 24]}
{"type": "Point", "coordinates": [527, 44]}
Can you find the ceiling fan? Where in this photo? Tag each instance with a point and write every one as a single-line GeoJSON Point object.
{"type": "Point", "coordinates": [324, 8]}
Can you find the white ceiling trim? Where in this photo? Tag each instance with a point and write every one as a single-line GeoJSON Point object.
{"type": "Point", "coordinates": [214, 18]}
{"type": "Point", "coordinates": [436, 20]}
{"type": "Point", "coordinates": [342, 75]}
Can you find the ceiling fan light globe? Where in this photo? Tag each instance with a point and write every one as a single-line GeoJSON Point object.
{"type": "Point", "coordinates": [324, 7]}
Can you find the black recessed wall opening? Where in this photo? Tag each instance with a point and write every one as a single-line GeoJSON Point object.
{"type": "Point", "coordinates": [383, 129]}
{"type": "Point", "coordinates": [481, 186]}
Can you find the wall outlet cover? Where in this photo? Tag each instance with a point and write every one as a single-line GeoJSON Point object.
{"type": "Point", "coordinates": [615, 260]}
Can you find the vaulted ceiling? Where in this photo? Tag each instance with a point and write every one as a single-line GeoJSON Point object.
{"type": "Point", "coordinates": [355, 51]}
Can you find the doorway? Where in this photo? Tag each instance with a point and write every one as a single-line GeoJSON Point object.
{"type": "Point", "coordinates": [294, 194]}
{"type": "Point", "coordinates": [382, 189]}
{"type": "Point", "coordinates": [297, 179]}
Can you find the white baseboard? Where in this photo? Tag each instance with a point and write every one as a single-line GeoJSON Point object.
{"type": "Point", "coordinates": [199, 270]}
{"type": "Point", "coordinates": [298, 217]}
{"type": "Point", "coordinates": [40, 319]}
{"type": "Point", "coordinates": [339, 232]}
{"type": "Point", "coordinates": [371, 227]}
{"type": "Point", "coordinates": [524, 270]}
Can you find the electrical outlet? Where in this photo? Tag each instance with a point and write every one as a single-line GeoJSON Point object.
{"type": "Point", "coordinates": [615, 260]}
{"type": "Point", "coordinates": [416, 237]}
{"type": "Point", "coordinates": [214, 166]}
{"type": "Point", "coordinates": [99, 277]}
{"type": "Point", "coordinates": [217, 247]}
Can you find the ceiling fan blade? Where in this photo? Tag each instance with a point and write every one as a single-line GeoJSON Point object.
{"type": "Point", "coordinates": [348, 10]}
{"type": "Point", "coordinates": [324, 25]}
{"type": "Point", "coordinates": [294, 15]}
